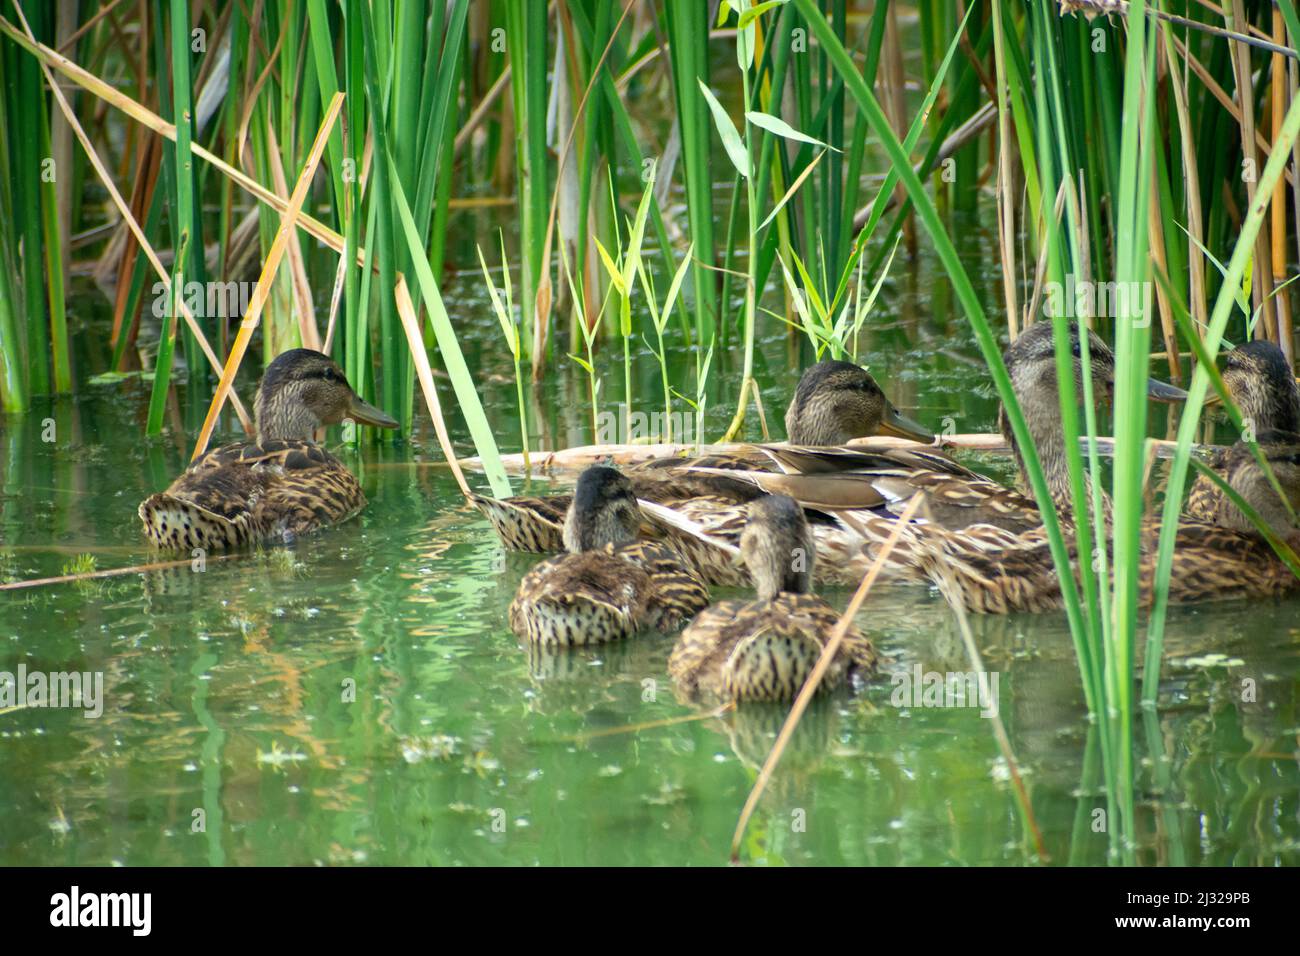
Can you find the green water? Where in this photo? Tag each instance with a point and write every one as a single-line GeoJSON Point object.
{"type": "Point", "coordinates": [358, 698]}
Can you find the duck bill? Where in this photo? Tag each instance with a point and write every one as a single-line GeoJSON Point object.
{"type": "Point", "coordinates": [900, 426]}
{"type": "Point", "coordinates": [1164, 392]}
{"type": "Point", "coordinates": [367, 414]}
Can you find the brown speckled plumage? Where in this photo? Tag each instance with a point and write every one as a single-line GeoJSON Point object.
{"type": "Point", "coordinates": [764, 650]}
{"type": "Point", "coordinates": [609, 586]}
{"type": "Point", "coordinates": [278, 486]}
{"type": "Point", "coordinates": [835, 401]}
{"type": "Point", "coordinates": [1209, 564]}
{"type": "Point", "coordinates": [606, 595]}
{"type": "Point", "coordinates": [1263, 387]}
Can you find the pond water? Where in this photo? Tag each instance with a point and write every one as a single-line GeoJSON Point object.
{"type": "Point", "coordinates": [358, 698]}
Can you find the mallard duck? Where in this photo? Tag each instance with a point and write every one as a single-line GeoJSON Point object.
{"type": "Point", "coordinates": [609, 585]}
{"type": "Point", "coordinates": [1262, 386]}
{"type": "Point", "coordinates": [281, 484]}
{"type": "Point", "coordinates": [855, 506]}
{"type": "Point", "coordinates": [765, 649]}
{"type": "Point", "coordinates": [958, 500]}
{"type": "Point", "coordinates": [1210, 561]}
{"type": "Point", "coordinates": [834, 402]}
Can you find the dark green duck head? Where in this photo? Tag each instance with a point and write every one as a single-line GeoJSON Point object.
{"type": "Point", "coordinates": [836, 401]}
{"type": "Point", "coordinates": [777, 547]}
{"type": "Point", "coordinates": [302, 390]}
{"type": "Point", "coordinates": [1262, 385]}
{"type": "Point", "coordinates": [603, 511]}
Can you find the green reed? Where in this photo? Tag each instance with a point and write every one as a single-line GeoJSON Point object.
{"type": "Point", "coordinates": [1095, 182]}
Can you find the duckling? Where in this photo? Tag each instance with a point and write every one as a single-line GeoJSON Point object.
{"type": "Point", "coordinates": [765, 649]}
{"type": "Point", "coordinates": [609, 585]}
{"type": "Point", "coordinates": [278, 486]}
{"type": "Point", "coordinates": [834, 401]}
{"type": "Point", "coordinates": [1262, 386]}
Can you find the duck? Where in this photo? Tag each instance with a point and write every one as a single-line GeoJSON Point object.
{"type": "Point", "coordinates": [958, 498]}
{"type": "Point", "coordinates": [1211, 561]}
{"type": "Point", "coordinates": [835, 401]}
{"type": "Point", "coordinates": [282, 483]}
{"type": "Point", "coordinates": [853, 511]}
{"type": "Point", "coordinates": [764, 649]}
{"type": "Point", "coordinates": [1262, 386]}
{"type": "Point", "coordinates": [609, 585]}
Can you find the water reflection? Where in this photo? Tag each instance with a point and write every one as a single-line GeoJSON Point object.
{"type": "Point", "coordinates": [359, 698]}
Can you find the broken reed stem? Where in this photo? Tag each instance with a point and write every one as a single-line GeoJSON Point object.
{"type": "Point", "coordinates": [143, 115]}
{"type": "Point", "coordinates": [648, 725]}
{"type": "Point", "coordinates": [411, 324]}
{"type": "Point", "coordinates": [814, 679]}
{"type": "Point", "coordinates": [263, 288]}
{"type": "Point", "coordinates": [109, 573]}
{"type": "Point", "coordinates": [999, 729]}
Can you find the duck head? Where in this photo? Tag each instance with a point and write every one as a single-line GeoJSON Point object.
{"type": "Point", "coordinates": [1031, 365]}
{"type": "Point", "coordinates": [603, 511]}
{"type": "Point", "coordinates": [302, 390]}
{"type": "Point", "coordinates": [777, 547]}
{"type": "Point", "coordinates": [1262, 385]}
{"type": "Point", "coordinates": [836, 401]}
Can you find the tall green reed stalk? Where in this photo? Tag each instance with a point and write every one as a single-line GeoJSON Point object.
{"type": "Point", "coordinates": [183, 219]}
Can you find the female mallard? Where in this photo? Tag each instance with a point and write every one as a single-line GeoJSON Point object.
{"type": "Point", "coordinates": [280, 485]}
{"type": "Point", "coordinates": [1210, 561]}
{"type": "Point", "coordinates": [765, 649]}
{"type": "Point", "coordinates": [834, 402]}
{"type": "Point", "coordinates": [1262, 386]}
{"type": "Point", "coordinates": [610, 585]}
{"type": "Point", "coordinates": [958, 500]}
{"type": "Point", "coordinates": [845, 515]}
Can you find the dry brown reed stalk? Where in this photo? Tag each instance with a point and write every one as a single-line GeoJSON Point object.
{"type": "Point", "coordinates": [411, 324]}
{"type": "Point", "coordinates": [142, 114]}
{"type": "Point", "coordinates": [1195, 227]}
{"type": "Point", "coordinates": [815, 678]}
{"type": "Point", "coordinates": [542, 302]}
{"type": "Point", "coordinates": [949, 587]}
{"type": "Point", "coordinates": [122, 208]}
{"type": "Point", "coordinates": [1260, 291]}
{"type": "Point", "coordinates": [110, 572]}
{"type": "Point", "coordinates": [262, 290]}
{"type": "Point", "coordinates": [1226, 101]}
